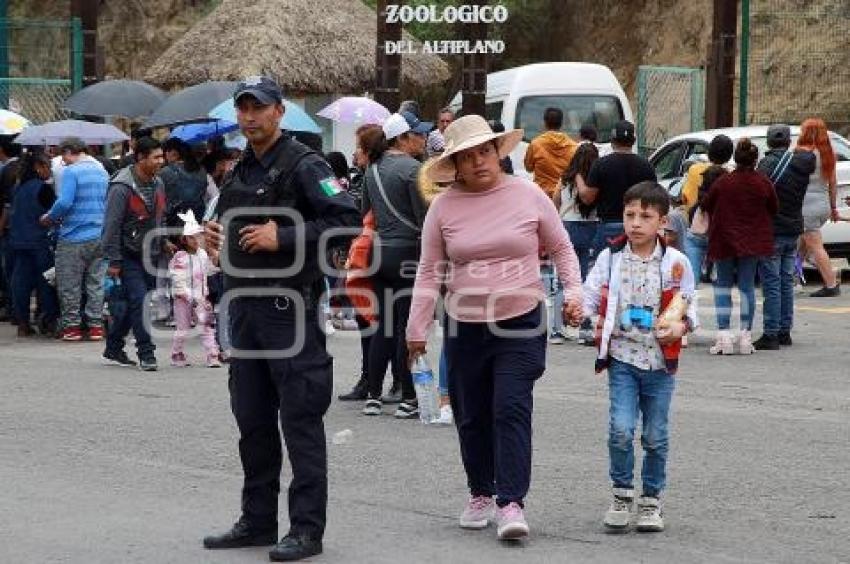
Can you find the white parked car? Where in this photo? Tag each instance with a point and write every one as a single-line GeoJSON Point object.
{"type": "Point", "coordinates": [670, 161]}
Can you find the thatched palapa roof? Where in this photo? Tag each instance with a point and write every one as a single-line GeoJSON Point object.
{"type": "Point", "coordinates": [309, 46]}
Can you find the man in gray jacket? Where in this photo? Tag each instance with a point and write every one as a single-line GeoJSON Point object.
{"type": "Point", "coordinates": [135, 206]}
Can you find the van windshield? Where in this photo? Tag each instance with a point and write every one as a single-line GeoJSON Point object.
{"type": "Point", "coordinates": [602, 112]}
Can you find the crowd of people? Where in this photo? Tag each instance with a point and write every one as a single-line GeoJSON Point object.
{"type": "Point", "coordinates": [591, 249]}
{"type": "Point", "coordinates": [74, 230]}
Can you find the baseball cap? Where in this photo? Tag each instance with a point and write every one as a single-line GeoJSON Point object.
{"type": "Point", "coordinates": [417, 125]}
{"type": "Point", "coordinates": [778, 135]}
{"type": "Point", "coordinates": [403, 122]}
{"type": "Point", "coordinates": [263, 88]}
{"type": "Point", "coordinates": [624, 131]}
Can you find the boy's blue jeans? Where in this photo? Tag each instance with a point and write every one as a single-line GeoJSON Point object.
{"type": "Point", "coordinates": [777, 285]}
{"type": "Point", "coordinates": [633, 391]}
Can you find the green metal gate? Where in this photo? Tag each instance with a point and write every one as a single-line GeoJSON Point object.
{"type": "Point", "coordinates": [670, 101]}
{"type": "Point", "coordinates": [41, 65]}
{"type": "Point", "coordinates": [794, 61]}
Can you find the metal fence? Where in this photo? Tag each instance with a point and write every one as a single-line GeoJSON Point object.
{"type": "Point", "coordinates": [794, 61]}
{"type": "Point", "coordinates": [670, 101]}
{"type": "Point", "coordinates": [41, 65]}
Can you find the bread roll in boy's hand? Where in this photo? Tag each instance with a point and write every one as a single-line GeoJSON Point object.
{"type": "Point", "coordinates": [671, 333]}
{"type": "Point", "coordinates": [670, 326]}
{"type": "Point", "coordinates": [675, 311]}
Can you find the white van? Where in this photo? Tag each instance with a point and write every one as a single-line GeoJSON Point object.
{"type": "Point", "coordinates": [587, 94]}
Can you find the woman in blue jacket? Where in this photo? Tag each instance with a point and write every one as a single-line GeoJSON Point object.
{"type": "Point", "coordinates": [30, 243]}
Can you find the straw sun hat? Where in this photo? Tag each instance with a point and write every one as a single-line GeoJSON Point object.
{"type": "Point", "coordinates": [464, 133]}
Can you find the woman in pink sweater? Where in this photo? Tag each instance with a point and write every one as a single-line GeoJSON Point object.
{"type": "Point", "coordinates": [482, 240]}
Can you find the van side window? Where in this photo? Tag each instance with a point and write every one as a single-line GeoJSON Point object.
{"type": "Point", "coordinates": [493, 111]}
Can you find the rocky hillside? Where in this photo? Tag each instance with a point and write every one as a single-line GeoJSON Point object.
{"type": "Point", "coordinates": [132, 33]}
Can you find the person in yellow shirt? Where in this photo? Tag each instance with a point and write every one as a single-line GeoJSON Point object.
{"type": "Point", "coordinates": [549, 154]}
{"type": "Point", "coordinates": [692, 182]}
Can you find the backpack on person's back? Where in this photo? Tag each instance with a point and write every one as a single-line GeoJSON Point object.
{"type": "Point", "coordinates": [184, 190]}
{"type": "Point", "coordinates": [700, 220]}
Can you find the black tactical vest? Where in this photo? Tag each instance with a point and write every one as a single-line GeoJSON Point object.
{"type": "Point", "coordinates": [277, 189]}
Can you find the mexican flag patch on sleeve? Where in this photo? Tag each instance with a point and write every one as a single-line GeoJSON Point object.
{"type": "Point", "coordinates": [330, 186]}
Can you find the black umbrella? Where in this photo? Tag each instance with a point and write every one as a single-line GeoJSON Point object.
{"type": "Point", "coordinates": [126, 98]}
{"type": "Point", "coordinates": [191, 105]}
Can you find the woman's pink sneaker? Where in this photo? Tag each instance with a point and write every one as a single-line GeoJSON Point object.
{"type": "Point", "coordinates": [510, 522]}
{"type": "Point", "coordinates": [478, 513]}
{"type": "Point", "coordinates": [180, 360]}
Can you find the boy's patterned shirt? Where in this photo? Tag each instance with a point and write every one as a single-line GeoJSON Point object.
{"type": "Point", "coordinates": [640, 290]}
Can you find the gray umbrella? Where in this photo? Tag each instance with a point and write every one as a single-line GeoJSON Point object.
{"type": "Point", "coordinates": [126, 98]}
{"type": "Point", "coordinates": [191, 105]}
{"type": "Point", "coordinates": [55, 132]}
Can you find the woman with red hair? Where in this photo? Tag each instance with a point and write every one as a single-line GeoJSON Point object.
{"type": "Point", "coordinates": [819, 203]}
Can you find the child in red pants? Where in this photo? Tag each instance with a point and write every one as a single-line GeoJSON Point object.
{"type": "Point", "coordinates": [188, 269]}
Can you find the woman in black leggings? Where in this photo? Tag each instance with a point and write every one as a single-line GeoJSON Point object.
{"type": "Point", "coordinates": [391, 193]}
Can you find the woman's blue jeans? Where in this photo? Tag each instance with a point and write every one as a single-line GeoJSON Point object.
{"type": "Point", "coordinates": [696, 247]}
{"type": "Point", "coordinates": [740, 270]}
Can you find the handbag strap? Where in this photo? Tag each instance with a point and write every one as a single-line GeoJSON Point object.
{"type": "Point", "coordinates": [392, 208]}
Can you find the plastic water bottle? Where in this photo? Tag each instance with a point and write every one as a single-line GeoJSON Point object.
{"type": "Point", "coordinates": [426, 390]}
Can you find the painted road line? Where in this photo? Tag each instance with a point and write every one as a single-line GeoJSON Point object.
{"type": "Point", "coordinates": [824, 309]}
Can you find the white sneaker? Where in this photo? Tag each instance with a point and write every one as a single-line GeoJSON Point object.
{"type": "Point", "coordinates": [620, 512]}
{"type": "Point", "coordinates": [329, 327]}
{"type": "Point", "coordinates": [745, 343]}
{"type": "Point", "coordinates": [649, 519]}
{"type": "Point", "coordinates": [511, 523]}
{"type": "Point", "coordinates": [557, 339]}
{"type": "Point", "coordinates": [373, 407]}
{"type": "Point", "coordinates": [478, 513]}
{"type": "Point", "coordinates": [724, 344]}
{"type": "Point", "coordinates": [446, 415]}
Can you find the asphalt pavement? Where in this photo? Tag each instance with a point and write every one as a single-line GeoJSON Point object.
{"type": "Point", "coordinates": [109, 465]}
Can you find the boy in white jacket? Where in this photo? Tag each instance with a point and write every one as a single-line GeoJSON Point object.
{"type": "Point", "coordinates": [188, 269]}
{"type": "Point", "coordinates": [644, 295]}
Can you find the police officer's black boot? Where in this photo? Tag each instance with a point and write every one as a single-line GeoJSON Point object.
{"type": "Point", "coordinates": [240, 535]}
{"type": "Point", "coordinates": [357, 393]}
{"type": "Point", "coordinates": [295, 547]}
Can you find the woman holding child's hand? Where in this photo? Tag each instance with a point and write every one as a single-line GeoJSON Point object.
{"type": "Point", "coordinates": [481, 239]}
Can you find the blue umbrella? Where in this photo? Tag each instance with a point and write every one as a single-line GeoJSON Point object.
{"type": "Point", "coordinates": [294, 119]}
{"type": "Point", "coordinates": [200, 132]}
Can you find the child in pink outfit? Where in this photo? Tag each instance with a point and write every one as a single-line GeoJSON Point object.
{"type": "Point", "coordinates": [188, 269]}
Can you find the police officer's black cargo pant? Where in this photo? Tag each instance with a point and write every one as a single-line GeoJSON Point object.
{"type": "Point", "coordinates": [298, 389]}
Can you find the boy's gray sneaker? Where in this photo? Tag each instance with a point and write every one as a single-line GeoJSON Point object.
{"type": "Point", "coordinates": [619, 514]}
{"type": "Point", "coordinates": [649, 518]}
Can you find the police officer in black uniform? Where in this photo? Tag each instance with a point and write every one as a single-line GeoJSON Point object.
{"type": "Point", "coordinates": [280, 196]}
